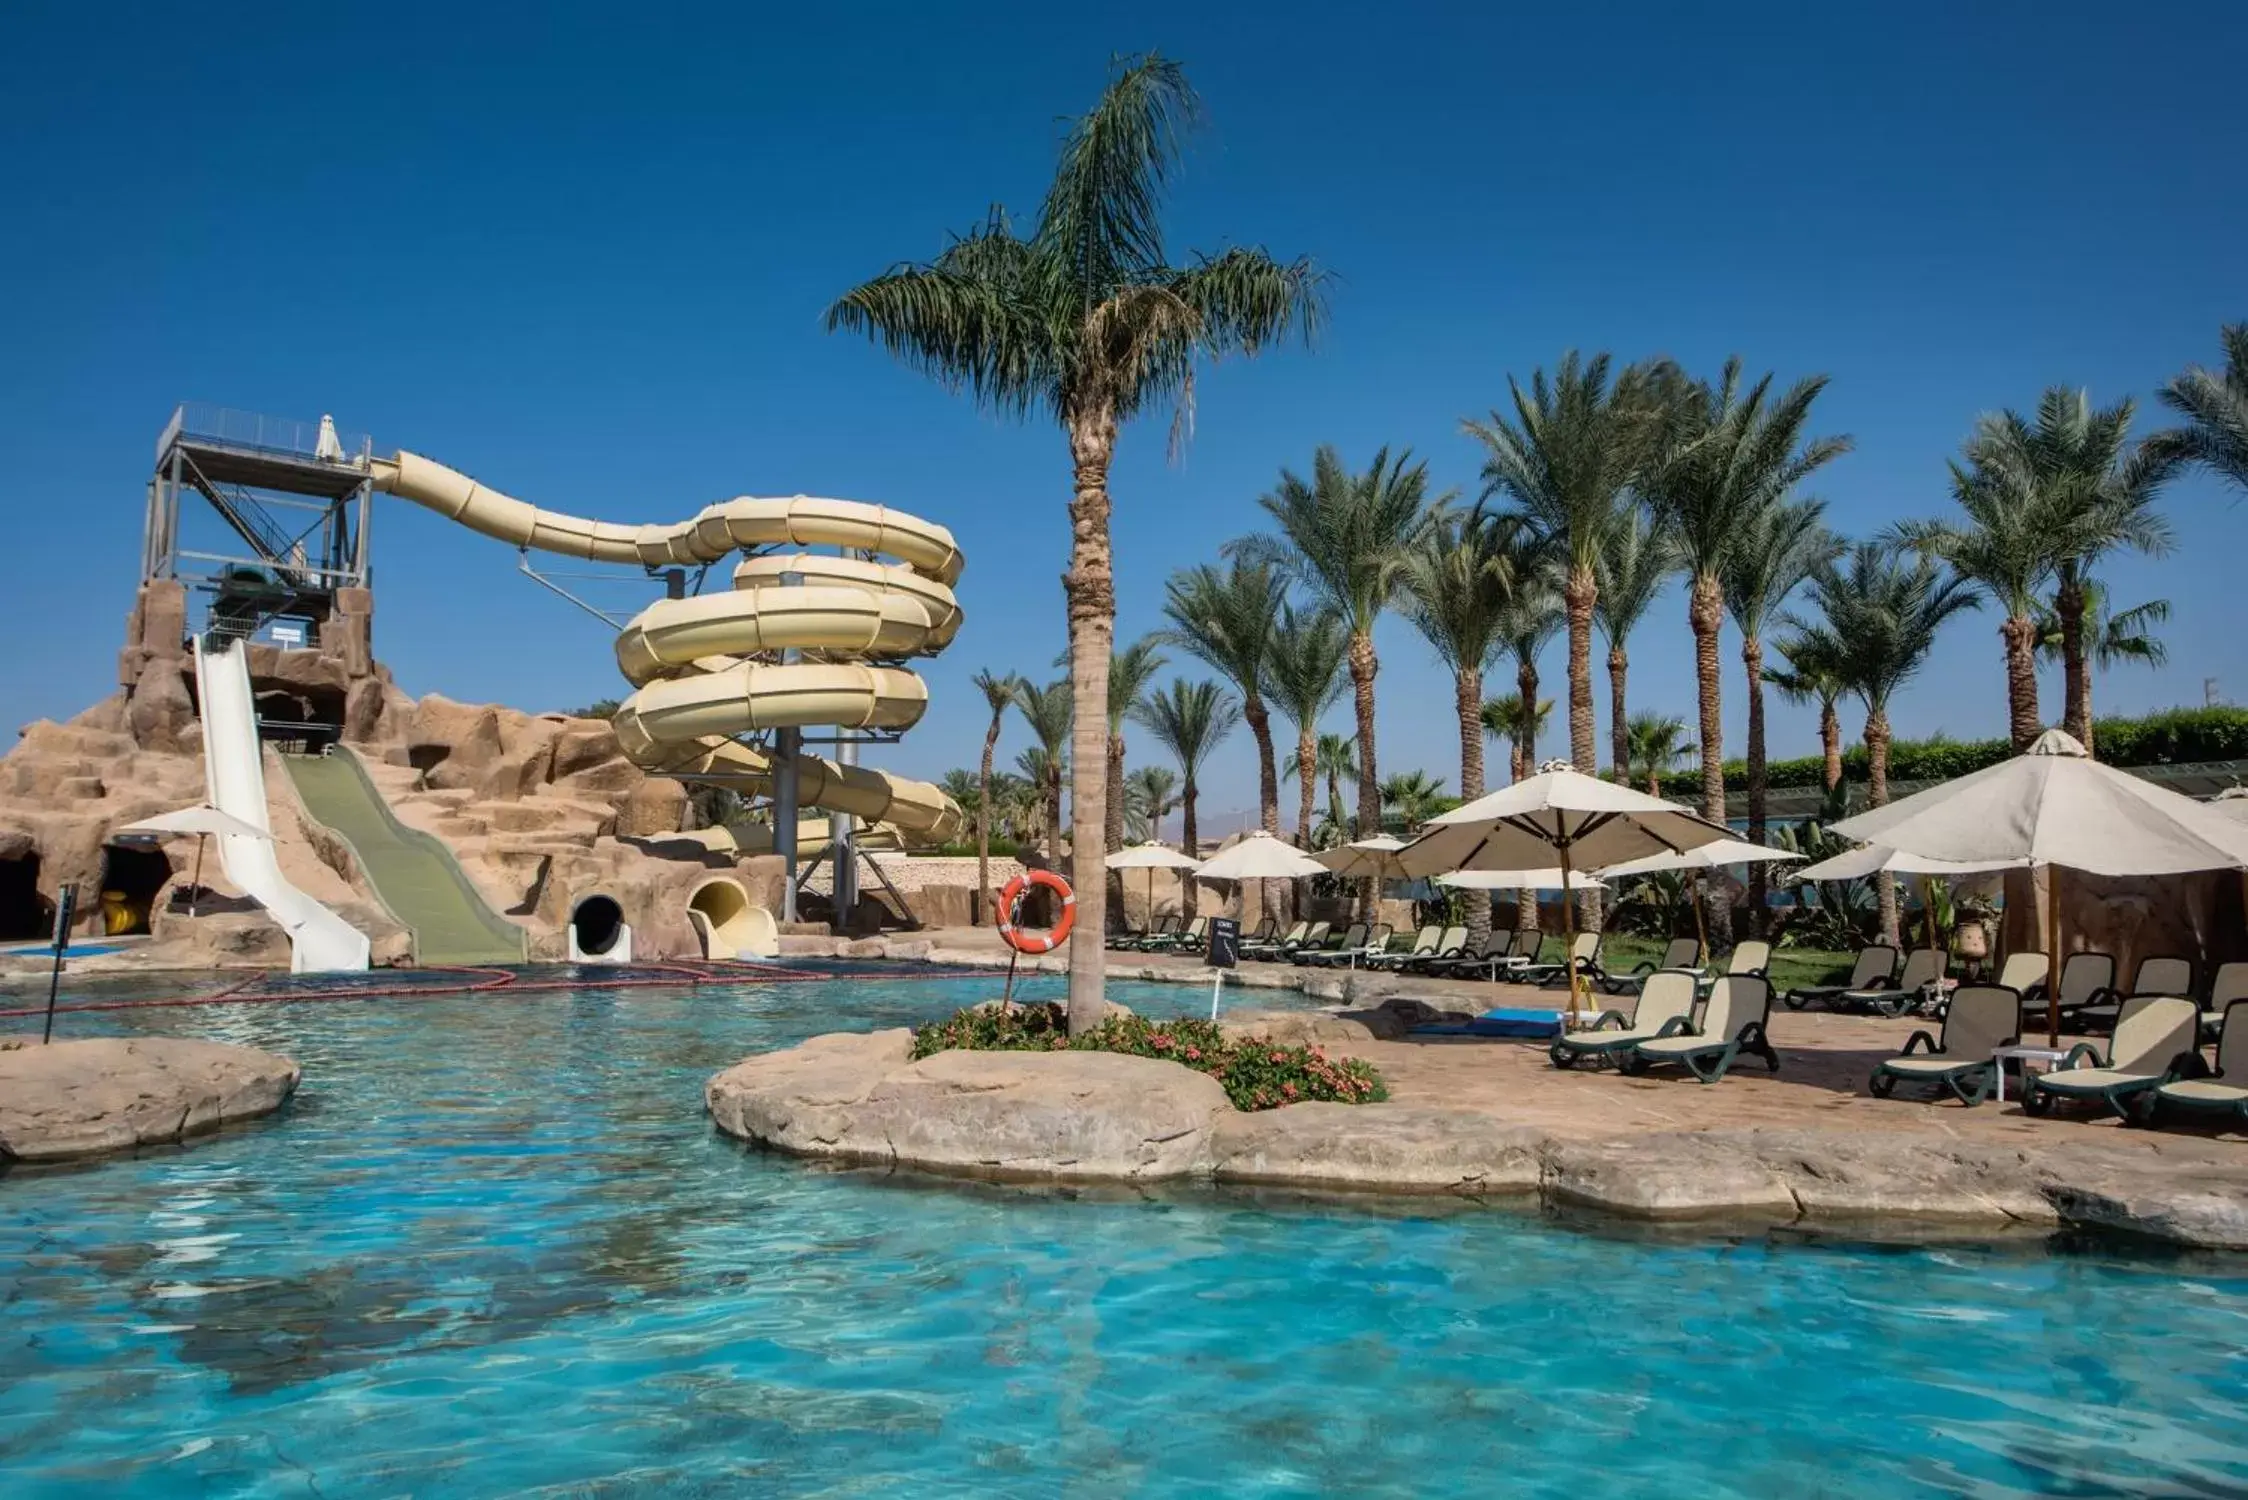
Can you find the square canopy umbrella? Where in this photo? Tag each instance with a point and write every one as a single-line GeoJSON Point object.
{"type": "Point", "coordinates": [202, 820]}
{"type": "Point", "coordinates": [2055, 807]}
{"type": "Point", "coordinates": [1877, 859]}
{"type": "Point", "coordinates": [1560, 813]}
{"type": "Point", "coordinates": [1151, 857]}
{"type": "Point", "coordinates": [1547, 879]}
{"type": "Point", "coordinates": [1714, 856]}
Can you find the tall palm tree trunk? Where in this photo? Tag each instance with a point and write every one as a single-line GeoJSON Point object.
{"type": "Point", "coordinates": [1526, 766]}
{"type": "Point", "coordinates": [1579, 592]}
{"type": "Point", "coordinates": [1830, 745]}
{"type": "Point", "coordinates": [1091, 589]}
{"type": "Point", "coordinates": [1307, 781]}
{"type": "Point", "coordinates": [1705, 612]}
{"type": "Point", "coordinates": [2019, 632]}
{"type": "Point", "coordinates": [982, 913]}
{"type": "Point", "coordinates": [1187, 841]}
{"type": "Point", "coordinates": [1268, 793]}
{"type": "Point", "coordinates": [1363, 665]}
{"type": "Point", "coordinates": [1619, 721]}
{"type": "Point", "coordinates": [1877, 795]}
{"type": "Point", "coordinates": [2076, 675]}
{"type": "Point", "coordinates": [1467, 700]}
{"type": "Point", "coordinates": [1752, 657]}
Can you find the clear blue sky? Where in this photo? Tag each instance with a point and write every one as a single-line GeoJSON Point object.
{"type": "Point", "coordinates": [585, 259]}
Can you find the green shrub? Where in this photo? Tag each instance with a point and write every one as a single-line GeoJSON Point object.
{"type": "Point", "coordinates": [1255, 1075]}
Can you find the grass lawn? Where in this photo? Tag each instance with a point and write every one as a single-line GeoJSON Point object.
{"type": "Point", "coordinates": [1791, 967]}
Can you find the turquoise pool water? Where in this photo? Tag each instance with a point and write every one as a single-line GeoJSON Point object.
{"type": "Point", "coordinates": [493, 1249]}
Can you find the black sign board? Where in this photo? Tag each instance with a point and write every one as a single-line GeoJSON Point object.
{"type": "Point", "coordinates": [1225, 943]}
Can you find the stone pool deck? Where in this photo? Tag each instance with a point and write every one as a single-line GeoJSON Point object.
{"type": "Point", "coordinates": [1488, 1118]}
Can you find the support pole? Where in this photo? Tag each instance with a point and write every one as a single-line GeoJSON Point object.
{"type": "Point", "coordinates": [786, 743]}
{"type": "Point", "coordinates": [842, 838]}
{"type": "Point", "coordinates": [2052, 955]}
{"type": "Point", "coordinates": [1217, 987]}
{"type": "Point", "coordinates": [1568, 935]}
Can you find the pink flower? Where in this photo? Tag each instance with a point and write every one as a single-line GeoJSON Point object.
{"type": "Point", "coordinates": [1279, 1057]}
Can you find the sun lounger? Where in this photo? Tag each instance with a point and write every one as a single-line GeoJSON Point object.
{"type": "Point", "coordinates": [1678, 953]}
{"type": "Point", "coordinates": [2160, 975]}
{"type": "Point", "coordinates": [2023, 972]}
{"type": "Point", "coordinates": [2153, 1037]}
{"type": "Point", "coordinates": [1476, 958]}
{"type": "Point", "coordinates": [2222, 1090]}
{"type": "Point", "coordinates": [1423, 945]}
{"type": "Point", "coordinates": [1272, 947]}
{"type": "Point", "coordinates": [1980, 1019]}
{"type": "Point", "coordinates": [1666, 1007]}
{"type": "Point", "coordinates": [1334, 943]}
{"type": "Point", "coordinates": [2230, 984]}
{"type": "Point", "coordinates": [1876, 967]}
{"type": "Point", "coordinates": [1162, 932]}
{"type": "Point", "coordinates": [1359, 944]}
{"type": "Point", "coordinates": [1734, 1020]}
{"type": "Point", "coordinates": [1753, 956]}
{"type": "Point", "coordinates": [1188, 940]}
{"type": "Point", "coordinates": [2086, 979]}
{"type": "Point", "coordinates": [1450, 943]}
{"type": "Point", "coordinates": [1583, 956]}
{"type": "Point", "coordinates": [1923, 967]}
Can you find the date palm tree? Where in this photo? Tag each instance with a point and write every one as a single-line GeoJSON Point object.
{"type": "Point", "coordinates": [1637, 564]}
{"type": "Point", "coordinates": [1190, 719]}
{"type": "Point", "coordinates": [1337, 760]}
{"type": "Point", "coordinates": [1566, 457]}
{"type": "Point", "coordinates": [2215, 406]}
{"type": "Point", "coordinates": [1459, 583]}
{"type": "Point", "coordinates": [2089, 493]}
{"type": "Point", "coordinates": [999, 690]}
{"type": "Point", "coordinates": [1813, 674]}
{"type": "Point", "coordinates": [1304, 677]}
{"type": "Point", "coordinates": [2110, 639]}
{"type": "Point", "coordinates": [1346, 537]}
{"type": "Point", "coordinates": [1410, 799]}
{"type": "Point", "coordinates": [1050, 711]}
{"type": "Point", "coordinates": [2002, 549]}
{"type": "Point", "coordinates": [1884, 604]}
{"type": "Point", "coordinates": [1129, 672]}
{"type": "Point", "coordinates": [1504, 718]}
{"type": "Point", "coordinates": [1228, 618]}
{"type": "Point", "coordinates": [1730, 453]}
{"type": "Point", "coordinates": [1659, 746]}
{"type": "Point", "coordinates": [1044, 771]}
{"type": "Point", "coordinates": [1533, 618]}
{"type": "Point", "coordinates": [1771, 558]}
{"type": "Point", "coordinates": [1150, 796]}
{"type": "Point", "coordinates": [1086, 321]}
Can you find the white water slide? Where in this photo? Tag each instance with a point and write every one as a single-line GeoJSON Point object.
{"type": "Point", "coordinates": [320, 942]}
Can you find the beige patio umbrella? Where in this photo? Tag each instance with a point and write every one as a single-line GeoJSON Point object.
{"type": "Point", "coordinates": [1879, 859]}
{"type": "Point", "coordinates": [1547, 879]}
{"type": "Point", "coordinates": [1588, 823]}
{"type": "Point", "coordinates": [1260, 856]}
{"type": "Point", "coordinates": [2054, 807]}
{"type": "Point", "coordinates": [1375, 857]}
{"type": "Point", "coordinates": [1151, 857]}
{"type": "Point", "coordinates": [202, 820]}
{"type": "Point", "coordinates": [1714, 856]}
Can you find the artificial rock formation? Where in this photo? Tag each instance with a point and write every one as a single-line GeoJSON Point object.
{"type": "Point", "coordinates": [83, 1098]}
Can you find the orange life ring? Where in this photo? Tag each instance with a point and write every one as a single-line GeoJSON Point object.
{"type": "Point", "coordinates": [1010, 900]}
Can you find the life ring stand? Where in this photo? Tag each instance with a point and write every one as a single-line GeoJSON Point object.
{"type": "Point", "coordinates": [1010, 902]}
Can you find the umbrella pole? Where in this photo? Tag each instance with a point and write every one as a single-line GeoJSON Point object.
{"type": "Point", "coordinates": [195, 886]}
{"type": "Point", "coordinates": [1928, 907]}
{"type": "Point", "coordinates": [1694, 899]}
{"type": "Point", "coordinates": [1568, 936]}
{"type": "Point", "coordinates": [2052, 955]}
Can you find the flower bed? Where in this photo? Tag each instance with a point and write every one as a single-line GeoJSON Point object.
{"type": "Point", "coordinates": [1255, 1075]}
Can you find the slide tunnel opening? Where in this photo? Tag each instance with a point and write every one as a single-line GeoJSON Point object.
{"type": "Point", "coordinates": [23, 912]}
{"type": "Point", "coordinates": [596, 924]}
{"type": "Point", "coordinates": [728, 924]}
{"type": "Point", "coordinates": [131, 875]}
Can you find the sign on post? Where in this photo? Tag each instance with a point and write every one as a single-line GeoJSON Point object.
{"type": "Point", "coordinates": [1223, 953]}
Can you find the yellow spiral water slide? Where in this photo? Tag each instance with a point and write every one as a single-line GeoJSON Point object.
{"type": "Point", "coordinates": [705, 669]}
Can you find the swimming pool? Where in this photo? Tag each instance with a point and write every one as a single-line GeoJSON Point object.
{"type": "Point", "coordinates": [493, 1248]}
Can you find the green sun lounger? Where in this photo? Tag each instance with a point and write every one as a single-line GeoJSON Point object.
{"type": "Point", "coordinates": [2153, 1038]}
{"type": "Point", "coordinates": [1980, 1019]}
{"type": "Point", "coordinates": [2222, 1090]}
{"type": "Point", "coordinates": [1678, 953]}
{"type": "Point", "coordinates": [1734, 1020]}
{"type": "Point", "coordinates": [1666, 1007]}
{"type": "Point", "coordinates": [1876, 965]}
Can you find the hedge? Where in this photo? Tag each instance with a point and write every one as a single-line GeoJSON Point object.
{"type": "Point", "coordinates": [2175, 736]}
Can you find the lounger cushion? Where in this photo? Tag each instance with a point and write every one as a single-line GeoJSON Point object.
{"type": "Point", "coordinates": [1601, 1041]}
{"type": "Point", "coordinates": [2205, 1091]}
{"type": "Point", "coordinates": [2092, 1080]}
{"type": "Point", "coordinates": [1934, 1065]}
{"type": "Point", "coordinates": [1683, 1046]}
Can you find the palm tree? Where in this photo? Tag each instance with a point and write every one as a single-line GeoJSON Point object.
{"type": "Point", "coordinates": [2087, 493]}
{"type": "Point", "coordinates": [999, 690]}
{"type": "Point", "coordinates": [1566, 456]}
{"type": "Point", "coordinates": [2215, 407]}
{"type": "Point", "coordinates": [2111, 640]}
{"type": "Point", "coordinates": [1304, 675]}
{"type": "Point", "coordinates": [1658, 747]}
{"type": "Point", "coordinates": [1129, 673]}
{"type": "Point", "coordinates": [1813, 674]}
{"type": "Point", "coordinates": [1346, 537]}
{"type": "Point", "coordinates": [1503, 718]}
{"type": "Point", "coordinates": [1635, 567]}
{"type": "Point", "coordinates": [1014, 802]}
{"type": "Point", "coordinates": [1086, 321]}
{"type": "Point", "coordinates": [1730, 455]}
{"type": "Point", "coordinates": [1533, 616]}
{"type": "Point", "coordinates": [1228, 619]}
{"type": "Point", "coordinates": [1771, 557]}
{"type": "Point", "coordinates": [963, 786]}
{"type": "Point", "coordinates": [1189, 718]}
{"type": "Point", "coordinates": [1459, 583]}
{"type": "Point", "coordinates": [1336, 759]}
{"type": "Point", "coordinates": [1044, 771]}
{"type": "Point", "coordinates": [1884, 604]}
{"type": "Point", "coordinates": [1411, 798]}
{"type": "Point", "coordinates": [2004, 551]}
{"type": "Point", "coordinates": [1150, 796]}
{"type": "Point", "coordinates": [1049, 711]}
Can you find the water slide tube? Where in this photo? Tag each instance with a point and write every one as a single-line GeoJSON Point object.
{"type": "Point", "coordinates": [320, 942]}
{"type": "Point", "coordinates": [690, 661]}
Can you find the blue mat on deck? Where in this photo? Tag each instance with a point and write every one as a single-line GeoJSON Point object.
{"type": "Point", "coordinates": [1521, 1023]}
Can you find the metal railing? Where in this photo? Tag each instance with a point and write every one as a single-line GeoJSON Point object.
{"type": "Point", "coordinates": [249, 429]}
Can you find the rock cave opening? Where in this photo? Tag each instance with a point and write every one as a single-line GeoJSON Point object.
{"type": "Point", "coordinates": [23, 912]}
{"type": "Point", "coordinates": [131, 877]}
{"type": "Point", "coordinates": [310, 714]}
{"type": "Point", "coordinates": [596, 923]}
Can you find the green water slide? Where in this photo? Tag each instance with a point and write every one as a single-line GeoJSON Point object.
{"type": "Point", "coordinates": [412, 872]}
